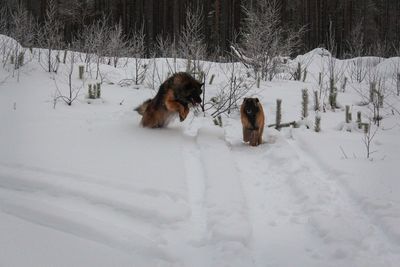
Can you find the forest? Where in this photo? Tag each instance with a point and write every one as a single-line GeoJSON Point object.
{"type": "Point", "coordinates": [374, 23]}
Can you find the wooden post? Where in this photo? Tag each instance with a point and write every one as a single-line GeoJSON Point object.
{"type": "Point", "coordinates": [344, 84]}
{"type": "Point", "coordinates": [372, 90]}
{"type": "Point", "coordinates": [320, 79]}
{"type": "Point", "coordinates": [347, 114]}
{"type": "Point", "coordinates": [317, 126]}
{"type": "Point", "coordinates": [212, 79]}
{"type": "Point", "coordinates": [98, 90]}
{"type": "Point", "coordinates": [90, 91]}
{"type": "Point", "coordinates": [81, 71]}
{"type": "Point", "coordinates": [359, 122]}
{"type": "Point", "coordinates": [316, 101]}
{"type": "Point", "coordinates": [305, 75]}
{"type": "Point", "coordinates": [65, 56]}
{"type": "Point", "coordinates": [304, 103]}
{"type": "Point", "coordinates": [278, 117]}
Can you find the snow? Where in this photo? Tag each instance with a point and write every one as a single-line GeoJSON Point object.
{"type": "Point", "coordinates": [85, 185]}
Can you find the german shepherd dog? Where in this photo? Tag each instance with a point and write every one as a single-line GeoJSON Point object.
{"type": "Point", "coordinates": [175, 95]}
{"type": "Point", "coordinates": [252, 117]}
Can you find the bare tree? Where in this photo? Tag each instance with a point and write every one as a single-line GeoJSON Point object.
{"type": "Point", "coordinates": [65, 80]}
{"type": "Point", "coordinates": [192, 44]}
{"type": "Point", "coordinates": [265, 40]}
{"type": "Point", "coordinates": [369, 133]}
{"type": "Point", "coordinates": [95, 39]}
{"type": "Point", "coordinates": [49, 36]}
{"type": "Point", "coordinates": [3, 20]}
{"type": "Point", "coordinates": [137, 50]}
{"type": "Point", "coordinates": [23, 29]}
{"type": "Point", "coordinates": [355, 44]}
{"type": "Point", "coordinates": [165, 47]}
{"type": "Point", "coordinates": [335, 71]}
{"type": "Point", "coordinates": [117, 44]}
{"type": "Point", "coordinates": [236, 87]}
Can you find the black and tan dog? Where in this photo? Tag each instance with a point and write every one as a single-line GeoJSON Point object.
{"type": "Point", "coordinates": [175, 95]}
{"type": "Point", "coordinates": [252, 117]}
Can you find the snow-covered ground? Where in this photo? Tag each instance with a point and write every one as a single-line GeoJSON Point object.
{"type": "Point", "coordinates": [85, 185]}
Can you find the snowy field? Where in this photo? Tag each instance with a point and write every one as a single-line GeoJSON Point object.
{"type": "Point", "coordinates": [85, 185]}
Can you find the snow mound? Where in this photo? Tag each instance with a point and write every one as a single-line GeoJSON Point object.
{"type": "Point", "coordinates": [389, 67]}
{"type": "Point", "coordinates": [9, 43]}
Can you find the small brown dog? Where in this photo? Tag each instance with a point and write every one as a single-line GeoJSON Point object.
{"type": "Point", "coordinates": [175, 95]}
{"type": "Point", "coordinates": [252, 117]}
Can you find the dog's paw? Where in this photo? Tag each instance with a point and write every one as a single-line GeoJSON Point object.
{"type": "Point", "coordinates": [184, 113]}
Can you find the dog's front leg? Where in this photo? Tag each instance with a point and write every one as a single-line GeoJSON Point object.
{"type": "Point", "coordinates": [173, 105]}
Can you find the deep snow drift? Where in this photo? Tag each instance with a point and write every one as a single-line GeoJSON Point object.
{"type": "Point", "coordinates": [85, 185]}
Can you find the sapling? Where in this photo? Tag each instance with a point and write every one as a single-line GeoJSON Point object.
{"type": "Point", "coordinates": [380, 99]}
{"type": "Point", "coordinates": [66, 78]}
{"type": "Point", "coordinates": [94, 91]}
{"type": "Point", "coordinates": [90, 91]}
{"type": "Point", "coordinates": [372, 90]}
{"type": "Point", "coordinates": [317, 126]}
{"type": "Point", "coordinates": [218, 121]}
{"type": "Point", "coordinates": [297, 75]}
{"type": "Point", "coordinates": [98, 90]}
{"type": "Point", "coordinates": [344, 84]}
{"type": "Point", "coordinates": [20, 61]}
{"type": "Point", "coordinates": [332, 93]}
{"type": "Point", "coordinates": [368, 137]}
{"type": "Point", "coordinates": [304, 103]}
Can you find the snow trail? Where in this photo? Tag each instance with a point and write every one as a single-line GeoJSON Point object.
{"type": "Point", "coordinates": [219, 217]}
{"type": "Point", "coordinates": [296, 205]}
{"type": "Point", "coordinates": [342, 221]}
{"type": "Point", "coordinates": [88, 211]}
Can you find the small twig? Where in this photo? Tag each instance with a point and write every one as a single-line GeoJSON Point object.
{"type": "Point", "coordinates": [283, 125]}
{"type": "Point", "coordinates": [344, 154]}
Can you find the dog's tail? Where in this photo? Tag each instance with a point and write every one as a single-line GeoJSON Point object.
{"type": "Point", "coordinates": [141, 109]}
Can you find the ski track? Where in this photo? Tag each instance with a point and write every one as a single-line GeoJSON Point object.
{"type": "Point", "coordinates": [293, 193]}
{"type": "Point", "coordinates": [219, 216]}
{"type": "Point", "coordinates": [380, 239]}
{"type": "Point", "coordinates": [227, 217]}
{"type": "Point", "coordinates": [238, 213]}
{"type": "Point", "coordinates": [91, 210]}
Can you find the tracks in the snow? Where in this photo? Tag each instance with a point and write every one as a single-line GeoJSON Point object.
{"type": "Point", "coordinates": [219, 209]}
{"type": "Point", "coordinates": [99, 212]}
{"type": "Point", "coordinates": [317, 222]}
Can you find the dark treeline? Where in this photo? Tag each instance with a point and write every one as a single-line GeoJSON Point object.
{"type": "Point", "coordinates": [377, 21]}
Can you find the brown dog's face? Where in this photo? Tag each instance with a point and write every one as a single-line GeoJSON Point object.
{"type": "Point", "coordinates": [251, 106]}
{"type": "Point", "coordinates": [191, 93]}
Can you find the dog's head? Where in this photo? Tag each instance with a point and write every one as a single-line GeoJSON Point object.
{"type": "Point", "coordinates": [191, 93]}
{"type": "Point", "coordinates": [251, 106]}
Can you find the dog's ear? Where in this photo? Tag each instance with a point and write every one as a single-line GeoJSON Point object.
{"type": "Point", "coordinates": [245, 99]}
